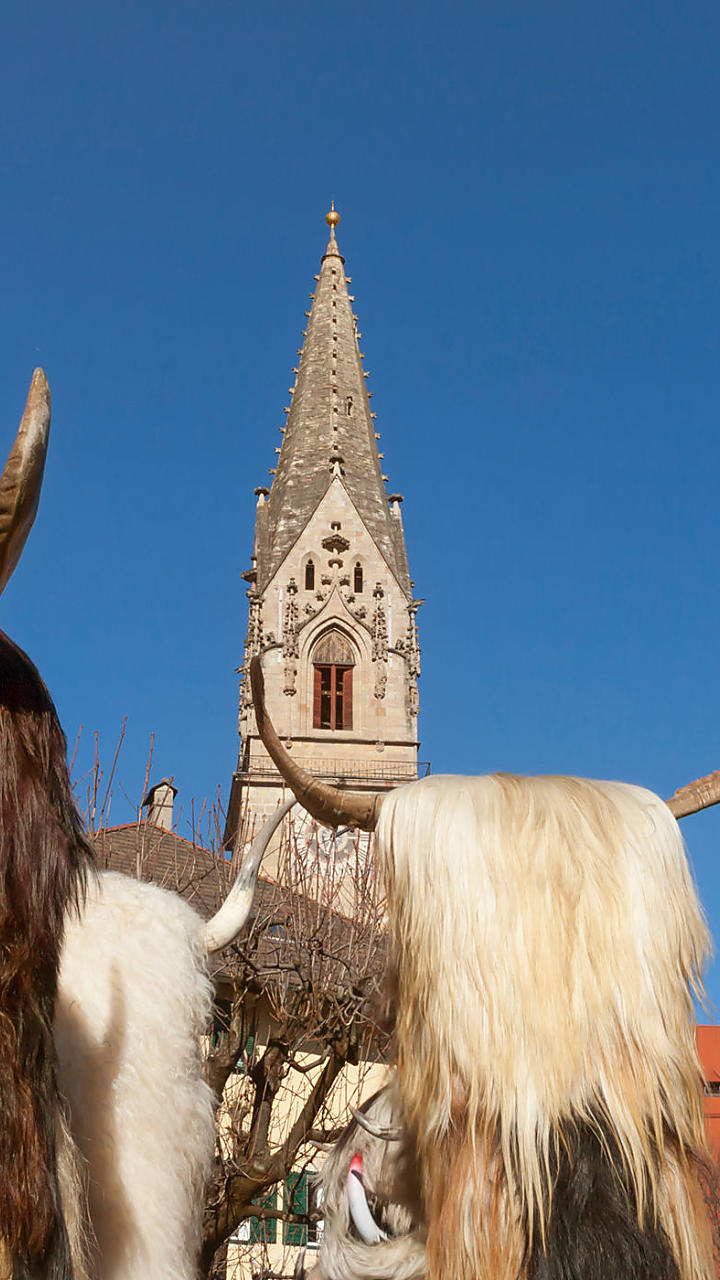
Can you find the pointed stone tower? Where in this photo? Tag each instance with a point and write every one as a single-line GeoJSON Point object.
{"type": "Point", "coordinates": [331, 605]}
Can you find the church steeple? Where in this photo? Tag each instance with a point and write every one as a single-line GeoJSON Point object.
{"type": "Point", "coordinates": [331, 607]}
{"type": "Point", "coordinates": [329, 431]}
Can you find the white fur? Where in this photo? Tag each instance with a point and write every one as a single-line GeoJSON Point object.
{"type": "Point", "coordinates": [388, 1176]}
{"type": "Point", "coordinates": [134, 999]}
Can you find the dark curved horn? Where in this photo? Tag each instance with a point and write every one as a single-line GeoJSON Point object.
{"type": "Point", "coordinates": [329, 805]}
{"type": "Point", "coordinates": [22, 476]}
{"type": "Point", "coordinates": [695, 796]}
{"type": "Point", "coordinates": [226, 924]}
{"type": "Point", "coordinates": [388, 1133]}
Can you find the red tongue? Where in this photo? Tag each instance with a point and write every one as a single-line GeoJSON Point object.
{"type": "Point", "coordinates": [356, 1164]}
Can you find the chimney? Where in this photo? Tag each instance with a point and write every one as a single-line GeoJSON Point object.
{"type": "Point", "coordinates": [158, 804]}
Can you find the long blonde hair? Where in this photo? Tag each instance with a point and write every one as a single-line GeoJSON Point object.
{"type": "Point", "coordinates": [548, 941]}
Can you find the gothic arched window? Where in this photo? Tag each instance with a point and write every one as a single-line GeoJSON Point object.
{"type": "Point", "coordinates": [333, 661]}
{"type": "Point", "coordinates": [358, 579]}
{"type": "Point", "coordinates": [309, 576]}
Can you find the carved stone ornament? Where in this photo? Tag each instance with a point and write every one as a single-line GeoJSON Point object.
{"type": "Point", "coordinates": [254, 633]}
{"type": "Point", "coordinates": [412, 657]}
{"type": "Point", "coordinates": [411, 639]}
{"type": "Point", "coordinates": [290, 639]}
{"type": "Point", "coordinates": [333, 649]}
{"type": "Point", "coordinates": [379, 631]}
{"type": "Point", "coordinates": [253, 645]}
{"type": "Point", "coordinates": [380, 679]}
{"type": "Point", "coordinates": [336, 542]}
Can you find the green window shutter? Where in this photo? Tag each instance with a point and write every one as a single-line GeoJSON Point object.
{"type": "Point", "coordinates": [296, 1201]}
{"type": "Point", "coordinates": [264, 1230]}
{"type": "Point", "coordinates": [249, 1050]}
{"type": "Point", "coordinates": [220, 1023]}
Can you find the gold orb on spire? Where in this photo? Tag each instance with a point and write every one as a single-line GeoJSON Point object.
{"type": "Point", "coordinates": [332, 218]}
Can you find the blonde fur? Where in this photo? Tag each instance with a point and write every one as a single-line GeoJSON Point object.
{"type": "Point", "coordinates": [134, 998]}
{"type": "Point", "coordinates": [547, 940]}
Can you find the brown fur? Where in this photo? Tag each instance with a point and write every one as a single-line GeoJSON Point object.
{"type": "Point", "coordinates": [471, 1218]}
{"type": "Point", "coordinates": [44, 860]}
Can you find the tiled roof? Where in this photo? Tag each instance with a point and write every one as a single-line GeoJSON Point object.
{"type": "Point", "coordinates": [203, 879]}
{"type": "Point", "coordinates": [164, 858]}
{"type": "Point", "coordinates": [151, 853]}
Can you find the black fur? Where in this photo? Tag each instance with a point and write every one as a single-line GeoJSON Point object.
{"type": "Point", "coordinates": [592, 1231]}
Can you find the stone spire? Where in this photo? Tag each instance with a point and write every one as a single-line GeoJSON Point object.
{"type": "Point", "coordinates": [329, 432]}
{"type": "Point", "coordinates": [331, 605]}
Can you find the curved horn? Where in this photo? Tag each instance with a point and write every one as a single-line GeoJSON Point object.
{"type": "Point", "coordinates": [226, 924]}
{"type": "Point", "coordinates": [22, 476]}
{"type": "Point", "coordinates": [388, 1133]}
{"type": "Point", "coordinates": [695, 796]}
{"type": "Point", "coordinates": [365, 1225]}
{"type": "Point", "coordinates": [329, 805]}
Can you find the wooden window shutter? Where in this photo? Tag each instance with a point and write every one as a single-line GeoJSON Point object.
{"type": "Point", "coordinates": [317, 715]}
{"type": "Point", "coordinates": [347, 699]}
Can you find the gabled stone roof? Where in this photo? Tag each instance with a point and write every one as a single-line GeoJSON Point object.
{"type": "Point", "coordinates": [329, 432]}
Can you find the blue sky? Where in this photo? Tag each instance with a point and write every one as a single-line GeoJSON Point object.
{"type": "Point", "coordinates": [529, 197]}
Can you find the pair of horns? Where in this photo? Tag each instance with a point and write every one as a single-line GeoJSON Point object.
{"type": "Point", "coordinates": [22, 475]}
{"type": "Point", "coordinates": [335, 808]}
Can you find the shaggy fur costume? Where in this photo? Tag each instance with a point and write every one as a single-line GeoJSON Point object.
{"type": "Point", "coordinates": [547, 939]}
{"type": "Point", "coordinates": [133, 1000]}
{"type": "Point", "coordinates": [44, 860]}
{"type": "Point", "coordinates": [390, 1184]}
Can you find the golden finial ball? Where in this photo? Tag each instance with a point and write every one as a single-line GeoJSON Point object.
{"type": "Point", "coordinates": [332, 218]}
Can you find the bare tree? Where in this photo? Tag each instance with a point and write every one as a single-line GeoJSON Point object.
{"type": "Point", "coordinates": [303, 1004]}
